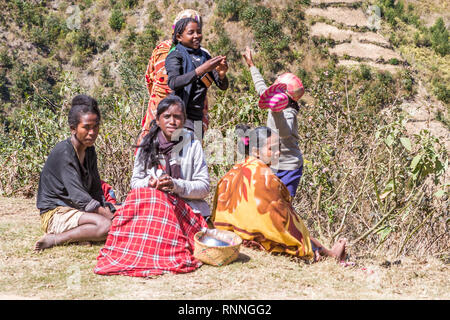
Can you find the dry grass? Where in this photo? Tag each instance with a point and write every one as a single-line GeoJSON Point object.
{"type": "Point", "coordinates": [66, 273]}
{"type": "Point", "coordinates": [380, 66]}
{"type": "Point", "coordinates": [346, 16]}
{"type": "Point", "coordinates": [365, 51]}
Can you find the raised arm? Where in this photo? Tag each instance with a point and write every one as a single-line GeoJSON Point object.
{"type": "Point", "coordinates": [258, 80]}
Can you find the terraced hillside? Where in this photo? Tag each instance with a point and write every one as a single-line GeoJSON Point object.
{"type": "Point", "coordinates": [357, 40]}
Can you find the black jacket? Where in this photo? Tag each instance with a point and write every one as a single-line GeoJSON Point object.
{"type": "Point", "coordinates": [178, 80]}
{"type": "Point", "coordinates": [65, 182]}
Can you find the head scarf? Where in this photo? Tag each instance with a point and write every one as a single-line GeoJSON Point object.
{"type": "Point", "coordinates": [188, 13]}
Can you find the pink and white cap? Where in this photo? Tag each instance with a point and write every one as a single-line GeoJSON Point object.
{"type": "Point", "coordinates": [295, 88]}
{"type": "Point", "coordinates": [274, 98]}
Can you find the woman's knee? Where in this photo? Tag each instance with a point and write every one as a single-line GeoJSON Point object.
{"type": "Point", "coordinates": [103, 227]}
{"type": "Point", "coordinates": [101, 223]}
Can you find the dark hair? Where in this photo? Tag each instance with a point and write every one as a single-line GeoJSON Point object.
{"type": "Point", "coordinates": [293, 104]}
{"type": "Point", "coordinates": [82, 104]}
{"type": "Point", "coordinates": [180, 26]}
{"type": "Point", "coordinates": [251, 138]}
{"type": "Point", "coordinates": [149, 143]}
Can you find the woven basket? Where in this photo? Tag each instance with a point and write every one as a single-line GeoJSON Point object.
{"type": "Point", "coordinates": [220, 255]}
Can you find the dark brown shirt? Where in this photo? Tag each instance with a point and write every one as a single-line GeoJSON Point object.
{"type": "Point", "coordinates": [64, 181]}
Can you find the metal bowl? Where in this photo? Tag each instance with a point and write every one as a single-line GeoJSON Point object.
{"type": "Point", "coordinates": [213, 242]}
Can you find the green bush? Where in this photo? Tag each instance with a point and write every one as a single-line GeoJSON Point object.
{"type": "Point", "coordinates": [268, 33]}
{"type": "Point", "coordinates": [229, 9]}
{"type": "Point", "coordinates": [117, 20]}
{"type": "Point", "coordinates": [393, 61]}
{"type": "Point", "coordinates": [138, 47]}
{"type": "Point", "coordinates": [392, 10]}
{"type": "Point", "coordinates": [364, 72]}
{"type": "Point", "coordinates": [27, 13]}
{"type": "Point", "coordinates": [153, 12]}
{"type": "Point", "coordinates": [6, 62]}
{"type": "Point", "coordinates": [441, 90]}
{"type": "Point", "coordinates": [422, 39]}
{"type": "Point", "coordinates": [439, 38]}
{"type": "Point", "coordinates": [52, 28]}
{"type": "Point", "coordinates": [305, 77]}
{"type": "Point", "coordinates": [129, 4]}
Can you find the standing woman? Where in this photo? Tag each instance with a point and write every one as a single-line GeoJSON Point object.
{"type": "Point", "coordinates": [153, 232]}
{"type": "Point", "coordinates": [156, 75]}
{"type": "Point", "coordinates": [70, 197]}
{"type": "Point", "coordinates": [191, 70]}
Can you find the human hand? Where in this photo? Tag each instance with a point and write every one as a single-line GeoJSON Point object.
{"type": "Point", "coordinates": [247, 55]}
{"type": "Point", "coordinates": [104, 211]}
{"type": "Point", "coordinates": [222, 68]}
{"type": "Point", "coordinates": [209, 65]}
{"type": "Point", "coordinates": [152, 182]}
{"type": "Point", "coordinates": [165, 183]}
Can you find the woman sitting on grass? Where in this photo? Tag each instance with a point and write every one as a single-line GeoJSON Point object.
{"type": "Point", "coordinates": [153, 233]}
{"type": "Point", "coordinates": [70, 196]}
{"type": "Point", "coordinates": [254, 203]}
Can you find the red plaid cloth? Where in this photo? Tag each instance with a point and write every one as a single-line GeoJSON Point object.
{"type": "Point", "coordinates": [151, 234]}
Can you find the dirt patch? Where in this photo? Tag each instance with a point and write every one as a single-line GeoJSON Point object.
{"type": "Point", "coordinates": [329, 31]}
{"type": "Point", "coordinates": [365, 50]}
{"type": "Point", "coordinates": [435, 127]}
{"type": "Point", "coordinates": [379, 66]}
{"type": "Point", "coordinates": [14, 297]}
{"type": "Point", "coordinates": [234, 29]}
{"type": "Point", "coordinates": [18, 206]}
{"type": "Point", "coordinates": [334, 2]}
{"type": "Point", "coordinates": [348, 17]}
{"type": "Point", "coordinates": [373, 38]}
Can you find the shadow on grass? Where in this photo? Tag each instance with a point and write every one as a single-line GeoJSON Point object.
{"type": "Point", "coordinates": [242, 258]}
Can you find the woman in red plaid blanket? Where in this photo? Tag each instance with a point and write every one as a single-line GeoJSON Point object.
{"type": "Point", "coordinates": [153, 232]}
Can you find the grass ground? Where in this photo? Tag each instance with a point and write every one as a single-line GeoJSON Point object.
{"type": "Point", "coordinates": [66, 273]}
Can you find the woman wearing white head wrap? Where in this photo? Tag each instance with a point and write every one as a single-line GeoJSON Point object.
{"type": "Point", "coordinates": [156, 76]}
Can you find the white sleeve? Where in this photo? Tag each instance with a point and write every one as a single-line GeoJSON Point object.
{"type": "Point", "coordinates": [198, 186]}
{"type": "Point", "coordinates": [258, 80]}
{"type": "Point", "coordinates": [140, 177]}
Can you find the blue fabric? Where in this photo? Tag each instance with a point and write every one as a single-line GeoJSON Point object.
{"type": "Point", "coordinates": [313, 247]}
{"type": "Point", "coordinates": [290, 178]}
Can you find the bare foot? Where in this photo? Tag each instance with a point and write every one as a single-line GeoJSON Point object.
{"type": "Point", "coordinates": [317, 256]}
{"type": "Point", "coordinates": [338, 250]}
{"type": "Point", "coordinates": [47, 241]}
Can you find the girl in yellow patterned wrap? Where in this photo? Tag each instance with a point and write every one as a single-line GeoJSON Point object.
{"type": "Point", "coordinates": [253, 202]}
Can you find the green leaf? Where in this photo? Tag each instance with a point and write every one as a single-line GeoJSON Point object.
{"type": "Point", "coordinates": [384, 232]}
{"type": "Point", "coordinates": [389, 140]}
{"type": "Point", "coordinates": [388, 189]}
{"type": "Point", "coordinates": [415, 161]}
{"type": "Point", "coordinates": [439, 193]}
{"type": "Point", "coordinates": [406, 143]}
